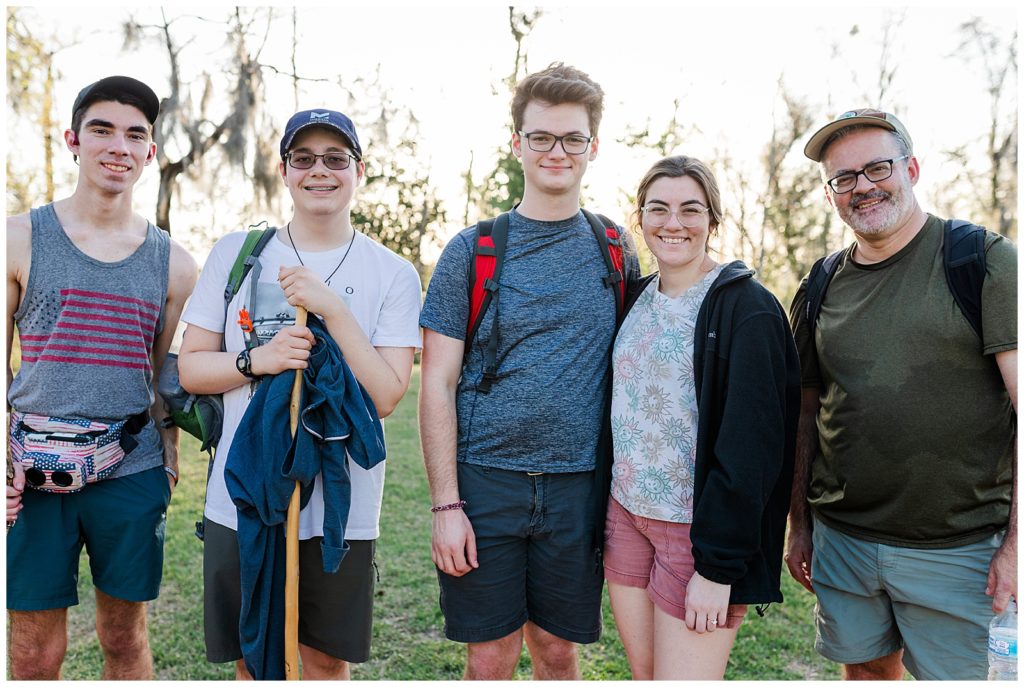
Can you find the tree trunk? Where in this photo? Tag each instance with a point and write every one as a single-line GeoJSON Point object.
{"type": "Point", "coordinates": [47, 125]}
{"type": "Point", "coordinates": [168, 185]}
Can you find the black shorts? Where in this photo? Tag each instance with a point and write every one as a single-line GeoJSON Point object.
{"type": "Point", "coordinates": [537, 560]}
{"type": "Point", "coordinates": [335, 611]}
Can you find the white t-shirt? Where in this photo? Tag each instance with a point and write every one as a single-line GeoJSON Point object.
{"type": "Point", "coordinates": [383, 291]}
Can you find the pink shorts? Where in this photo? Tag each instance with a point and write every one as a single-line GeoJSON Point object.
{"type": "Point", "coordinates": [654, 555]}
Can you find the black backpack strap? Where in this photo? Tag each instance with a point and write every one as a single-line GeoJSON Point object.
{"type": "Point", "coordinates": [610, 243]}
{"type": "Point", "coordinates": [817, 284]}
{"type": "Point", "coordinates": [963, 253]}
{"type": "Point", "coordinates": [485, 275]}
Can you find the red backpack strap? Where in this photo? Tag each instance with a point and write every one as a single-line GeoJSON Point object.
{"type": "Point", "coordinates": [608, 239]}
{"type": "Point", "coordinates": [618, 264]}
{"type": "Point", "coordinates": [485, 273]}
{"type": "Point", "coordinates": [481, 268]}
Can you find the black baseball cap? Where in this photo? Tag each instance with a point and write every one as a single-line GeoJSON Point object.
{"type": "Point", "coordinates": [114, 85]}
{"type": "Point", "coordinates": [329, 119]}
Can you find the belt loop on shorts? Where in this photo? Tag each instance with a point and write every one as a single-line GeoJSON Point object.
{"type": "Point", "coordinates": [534, 474]}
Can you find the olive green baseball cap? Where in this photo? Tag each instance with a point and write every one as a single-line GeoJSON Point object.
{"type": "Point", "coordinates": [862, 117]}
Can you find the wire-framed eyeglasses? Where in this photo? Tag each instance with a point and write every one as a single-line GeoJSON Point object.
{"type": "Point", "coordinates": [335, 160]}
{"type": "Point", "coordinates": [689, 216]}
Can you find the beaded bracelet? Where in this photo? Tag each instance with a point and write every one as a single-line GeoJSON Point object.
{"type": "Point", "coordinates": [448, 506]}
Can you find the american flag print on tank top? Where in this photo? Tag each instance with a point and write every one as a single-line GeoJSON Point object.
{"type": "Point", "coordinates": [96, 328]}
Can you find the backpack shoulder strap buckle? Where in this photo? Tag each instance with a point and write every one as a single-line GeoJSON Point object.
{"type": "Point", "coordinates": [486, 381]}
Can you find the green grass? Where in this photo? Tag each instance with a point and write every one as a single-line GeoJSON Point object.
{"type": "Point", "coordinates": [408, 642]}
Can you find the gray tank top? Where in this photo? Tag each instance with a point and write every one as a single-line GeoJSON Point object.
{"type": "Point", "coordinates": [87, 329]}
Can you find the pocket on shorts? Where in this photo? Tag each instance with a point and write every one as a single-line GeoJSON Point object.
{"type": "Point", "coordinates": [154, 482]}
{"type": "Point", "coordinates": [612, 518]}
{"type": "Point", "coordinates": [167, 488]}
{"type": "Point", "coordinates": [676, 547]}
{"type": "Point", "coordinates": [819, 547]}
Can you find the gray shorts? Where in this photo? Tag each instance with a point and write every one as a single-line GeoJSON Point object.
{"type": "Point", "coordinates": [874, 599]}
{"type": "Point", "coordinates": [335, 611]}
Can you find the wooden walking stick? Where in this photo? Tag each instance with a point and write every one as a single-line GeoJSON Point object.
{"type": "Point", "coordinates": [291, 580]}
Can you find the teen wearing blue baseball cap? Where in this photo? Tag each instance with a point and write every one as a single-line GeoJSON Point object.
{"type": "Point", "coordinates": [369, 299]}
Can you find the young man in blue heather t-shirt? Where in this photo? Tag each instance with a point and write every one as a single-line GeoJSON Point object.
{"type": "Point", "coordinates": [511, 469]}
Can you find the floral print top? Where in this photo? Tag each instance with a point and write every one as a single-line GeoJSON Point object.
{"type": "Point", "coordinates": [654, 404]}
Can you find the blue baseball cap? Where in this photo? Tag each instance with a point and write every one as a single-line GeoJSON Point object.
{"type": "Point", "coordinates": [112, 86]}
{"type": "Point", "coordinates": [329, 119]}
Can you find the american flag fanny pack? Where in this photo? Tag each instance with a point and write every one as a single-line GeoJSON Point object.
{"type": "Point", "coordinates": [63, 455]}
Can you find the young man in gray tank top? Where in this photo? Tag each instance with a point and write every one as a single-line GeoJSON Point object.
{"type": "Point", "coordinates": [95, 291]}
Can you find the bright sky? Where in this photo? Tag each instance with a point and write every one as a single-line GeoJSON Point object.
{"type": "Point", "coordinates": [722, 63]}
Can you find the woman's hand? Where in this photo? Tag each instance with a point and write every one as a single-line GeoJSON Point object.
{"type": "Point", "coordinates": [707, 604]}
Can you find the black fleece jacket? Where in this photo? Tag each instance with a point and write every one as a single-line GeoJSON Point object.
{"type": "Point", "coordinates": [748, 398]}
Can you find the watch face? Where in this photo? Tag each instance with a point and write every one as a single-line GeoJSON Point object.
{"type": "Point", "coordinates": [243, 363]}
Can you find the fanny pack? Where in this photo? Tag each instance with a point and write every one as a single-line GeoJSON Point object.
{"type": "Point", "coordinates": [62, 455]}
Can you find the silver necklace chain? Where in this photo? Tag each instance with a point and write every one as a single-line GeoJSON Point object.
{"type": "Point", "coordinates": [327, 281]}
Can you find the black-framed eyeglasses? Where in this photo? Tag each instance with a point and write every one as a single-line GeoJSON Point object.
{"type": "Point", "coordinates": [876, 171]}
{"type": "Point", "coordinates": [333, 160]}
{"type": "Point", "coordinates": [689, 216]}
{"type": "Point", "coordinates": [543, 142]}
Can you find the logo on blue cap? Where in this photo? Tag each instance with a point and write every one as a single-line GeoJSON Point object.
{"type": "Point", "coordinates": [329, 119]}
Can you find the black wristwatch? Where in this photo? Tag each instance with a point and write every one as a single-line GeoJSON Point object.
{"type": "Point", "coordinates": [243, 363]}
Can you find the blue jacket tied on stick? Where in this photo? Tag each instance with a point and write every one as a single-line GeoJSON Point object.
{"type": "Point", "coordinates": [265, 462]}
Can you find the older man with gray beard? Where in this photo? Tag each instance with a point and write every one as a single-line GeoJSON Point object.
{"type": "Point", "coordinates": [905, 481]}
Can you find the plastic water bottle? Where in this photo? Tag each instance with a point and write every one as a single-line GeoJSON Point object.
{"type": "Point", "coordinates": [1002, 644]}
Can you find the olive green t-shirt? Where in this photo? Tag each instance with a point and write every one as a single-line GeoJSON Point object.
{"type": "Point", "coordinates": [916, 429]}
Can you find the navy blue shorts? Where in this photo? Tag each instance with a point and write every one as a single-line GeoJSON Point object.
{"type": "Point", "coordinates": [120, 522]}
{"type": "Point", "coordinates": [534, 540]}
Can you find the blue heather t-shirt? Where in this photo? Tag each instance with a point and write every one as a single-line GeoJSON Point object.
{"type": "Point", "coordinates": [556, 323]}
